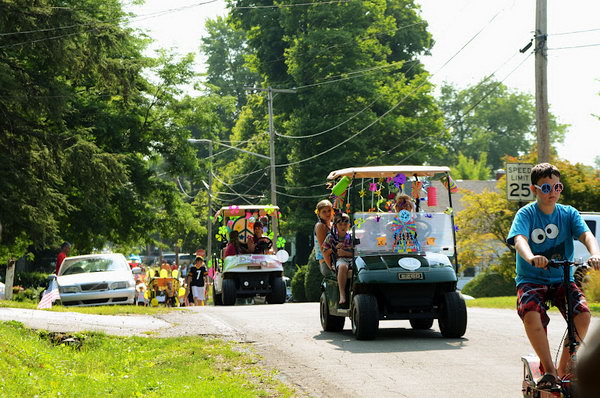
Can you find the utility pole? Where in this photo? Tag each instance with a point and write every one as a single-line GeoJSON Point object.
{"type": "Point", "coordinates": [270, 92]}
{"type": "Point", "coordinates": [209, 215]}
{"type": "Point", "coordinates": [541, 81]}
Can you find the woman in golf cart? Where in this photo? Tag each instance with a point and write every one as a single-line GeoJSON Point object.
{"type": "Point", "coordinates": [324, 212]}
{"type": "Point", "coordinates": [259, 244]}
{"type": "Point", "coordinates": [233, 246]}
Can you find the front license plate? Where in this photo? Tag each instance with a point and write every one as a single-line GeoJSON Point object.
{"type": "Point", "coordinates": [410, 275]}
{"type": "Point", "coordinates": [254, 267]}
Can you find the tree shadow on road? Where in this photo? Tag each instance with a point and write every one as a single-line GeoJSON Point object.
{"type": "Point", "coordinates": [392, 340]}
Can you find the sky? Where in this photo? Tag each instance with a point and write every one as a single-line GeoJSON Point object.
{"type": "Point", "coordinates": [505, 26]}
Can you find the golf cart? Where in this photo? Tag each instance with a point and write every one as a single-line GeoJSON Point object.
{"type": "Point", "coordinates": [402, 263]}
{"type": "Point", "coordinates": [248, 275]}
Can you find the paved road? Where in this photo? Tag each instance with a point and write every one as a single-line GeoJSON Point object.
{"type": "Point", "coordinates": [401, 362]}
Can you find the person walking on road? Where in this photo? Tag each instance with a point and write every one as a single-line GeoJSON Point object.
{"type": "Point", "coordinates": [64, 252]}
{"type": "Point", "coordinates": [197, 280]}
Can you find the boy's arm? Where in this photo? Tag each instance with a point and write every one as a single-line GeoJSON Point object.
{"type": "Point", "coordinates": [522, 247]}
{"type": "Point", "coordinates": [591, 244]}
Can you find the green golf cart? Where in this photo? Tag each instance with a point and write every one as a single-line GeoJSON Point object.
{"type": "Point", "coordinates": [404, 264]}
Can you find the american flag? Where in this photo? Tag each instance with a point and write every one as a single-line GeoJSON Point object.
{"type": "Point", "coordinates": [50, 296]}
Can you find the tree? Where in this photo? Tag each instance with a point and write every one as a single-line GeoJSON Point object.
{"type": "Point", "coordinates": [82, 130]}
{"type": "Point", "coordinates": [356, 67]}
{"type": "Point", "coordinates": [227, 51]}
{"type": "Point", "coordinates": [597, 162]}
{"type": "Point", "coordinates": [470, 169]}
{"type": "Point", "coordinates": [490, 118]}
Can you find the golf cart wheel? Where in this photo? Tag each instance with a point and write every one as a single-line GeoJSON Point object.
{"type": "Point", "coordinates": [277, 295]}
{"type": "Point", "coordinates": [453, 315]}
{"type": "Point", "coordinates": [365, 317]}
{"type": "Point", "coordinates": [330, 323]}
{"type": "Point", "coordinates": [421, 324]}
{"type": "Point", "coordinates": [217, 297]}
{"type": "Point", "coordinates": [228, 292]}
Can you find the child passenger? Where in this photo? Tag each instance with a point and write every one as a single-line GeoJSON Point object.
{"type": "Point", "coordinates": [542, 231]}
{"type": "Point", "coordinates": [339, 242]}
{"type": "Point", "coordinates": [403, 202]}
{"type": "Point", "coordinates": [324, 212]}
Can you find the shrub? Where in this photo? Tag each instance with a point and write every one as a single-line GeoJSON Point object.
{"type": "Point", "coordinates": [592, 286]}
{"type": "Point", "coordinates": [31, 279]}
{"type": "Point", "coordinates": [298, 293]}
{"type": "Point", "coordinates": [490, 284]}
{"type": "Point", "coordinates": [313, 279]}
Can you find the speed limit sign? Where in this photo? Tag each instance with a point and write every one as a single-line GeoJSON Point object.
{"type": "Point", "coordinates": [518, 180]}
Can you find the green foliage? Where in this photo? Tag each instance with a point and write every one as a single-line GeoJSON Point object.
{"type": "Point", "coordinates": [88, 150]}
{"type": "Point", "coordinates": [490, 284]}
{"type": "Point", "coordinates": [313, 279]}
{"type": "Point", "coordinates": [31, 279]}
{"type": "Point", "coordinates": [298, 291]}
{"type": "Point", "coordinates": [490, 118]}
{"type": "Point", "coordinates": [471, 169]}
{"type": "Point", "coordinates": [482, 230]}
{"type": "Point", "coordinates": [226, 50]}
{"type": "Point", "coordinates": [45, 364]}
{"type": "Point", "coordinates": [582, 185]}
{"type": "Point", "coordinates": [592, 286]}
{"type": "Point", "coordinates": [305, 47]}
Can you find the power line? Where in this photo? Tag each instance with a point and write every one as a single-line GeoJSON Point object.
{"type": "Point", "coordinates": [395, 105]}
{"type": "Point", "coordinates": [310, 186]}
{"type": "Point", "coordinates": [291, 5]}
{"type": "Point", "coordinates": [582, 46]}
{"type": "Point", "coordinates": [231, 189]}
{"type": "Point", "coordinates": [472, 106]}
{"type": "Point", "coordinates": [574, 32]}
{"type": "Point", "coordinates": [302, 196]}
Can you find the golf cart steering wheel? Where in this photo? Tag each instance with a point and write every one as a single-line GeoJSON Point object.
{"type": "Point", "coordinates": [263, 244]}
{"type": "Point", "coordinates": [423, 227]}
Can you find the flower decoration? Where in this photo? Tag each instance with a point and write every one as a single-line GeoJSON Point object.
{"type": "Point", "coordinates": [388, 180]}
{"type": "Point", "coordinates": [362, 193]}
{"type": "Point", "coordinates": [248, 215]}
{"type": "Point", "coordinates": [378, 218]}
{"type": "Point", "coordinates": [270, 235]}
{"type": "Point", "coordinates": [399, 179]}
{"type": "Point", "coordinates": [358, 222]}
{"type": "Point", "coordinates": [456, 228]}
{"type": "Point", "coordinates": [428, 215]}
{"type": "Point", "coordinates": [448, 210]}
{"type": "Point", "coordinates": [381, 179]}
{"type": "Point", "coordinates": [372, 186]}
{"type": "Point", "coordinates": [378, 192]}
{"type": "Point", "coordinates": [220, 218]}
{"type": "Point", "coordinates": [269, 209]}
{"type": "Point", "coordinates": [219, 237]}
{"type": "Point", "coordinates": [223, 230]}
{"type": "Point", "coordinates": [390, 196]}
{"type": "Point", "coordinates": [234, 209]}
{"type": "Point", "coordinates": [281, 242]}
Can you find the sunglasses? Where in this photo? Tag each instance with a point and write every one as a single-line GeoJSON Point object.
{"type": "Point", "coordinates": [344, 222]}
{"type": "Point", "coordinates": [546, 188]}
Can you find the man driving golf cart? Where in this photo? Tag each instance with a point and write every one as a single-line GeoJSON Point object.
{"type": "Point", "coordinates": [402, 261]}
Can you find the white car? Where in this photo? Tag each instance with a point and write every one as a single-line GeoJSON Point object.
{"type": "Point", "coordinates": [96, 279]}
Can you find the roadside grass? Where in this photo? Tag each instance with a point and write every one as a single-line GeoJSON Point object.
{"type": "Point", "coordinates": [99, 310]}
{"type": "Point", "coordinates": [510, 302]}
{"type": "Point", "coordinates": [38, 363]}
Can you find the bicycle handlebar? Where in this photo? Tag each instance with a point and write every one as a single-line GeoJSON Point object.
{"type": "Point", "coordinates": [562, 263]}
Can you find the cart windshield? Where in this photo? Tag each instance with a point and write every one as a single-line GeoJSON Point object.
{"type": "Point", "coordinates": [404, 232]}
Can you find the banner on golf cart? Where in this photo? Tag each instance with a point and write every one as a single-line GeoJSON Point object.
{"type": "Point", "coordinates": [404, 232]}
{"type": "Point", "coordinates": [265, 260]}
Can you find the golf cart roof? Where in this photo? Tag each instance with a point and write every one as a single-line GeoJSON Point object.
{"type": "Point", "coordinates": [388, 171]}
{"type": "Point", "coordinates": [227, 211]}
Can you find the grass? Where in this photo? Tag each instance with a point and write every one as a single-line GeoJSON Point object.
{"type": "Point", "coordinates": [38, 363]}
{"type": "Point", "coordinates": [98, 310]}
{"type": "Point", "coordinates": [510, 302]}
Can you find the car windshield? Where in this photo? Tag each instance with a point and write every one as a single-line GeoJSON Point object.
{"type": "Point", "coordinates": [92, 264]}
{"type": "Point", "coordinates": [382, 233]}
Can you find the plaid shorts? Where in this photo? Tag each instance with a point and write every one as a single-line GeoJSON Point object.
{"type": "Point", "coordinates": [535, 297]}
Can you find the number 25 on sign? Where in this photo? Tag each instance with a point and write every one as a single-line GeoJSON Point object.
{"type": "Point", "coordinates": [518, 181]}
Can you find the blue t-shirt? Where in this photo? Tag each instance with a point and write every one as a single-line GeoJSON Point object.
{"type": "Point", "coordinates": [548, 235]}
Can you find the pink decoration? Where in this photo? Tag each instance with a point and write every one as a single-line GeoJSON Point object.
{"type": "Point", "coordinates": [372, 186]}
{"type": "Point", "coordinates": [432, 196]}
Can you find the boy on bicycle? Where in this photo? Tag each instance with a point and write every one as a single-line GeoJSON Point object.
{"type": "Point", "coordinates": [542, 231]}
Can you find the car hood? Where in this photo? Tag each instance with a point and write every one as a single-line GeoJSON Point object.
{"type": "Point", "coordinates": [91, 277]}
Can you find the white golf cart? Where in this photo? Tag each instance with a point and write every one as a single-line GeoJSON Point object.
{"type": "Point", "coordinates": [247, 275]}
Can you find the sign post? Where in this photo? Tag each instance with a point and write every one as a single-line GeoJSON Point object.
{"type": "Point", "coordinates": [518, 180]}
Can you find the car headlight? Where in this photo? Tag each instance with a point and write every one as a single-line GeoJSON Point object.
{"type": "Point", "coordinates": [69, 289]}
{"type": "Point", "coordinates": [120, 285]}
{"type": "Point", "coordinates": [437, 260]}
